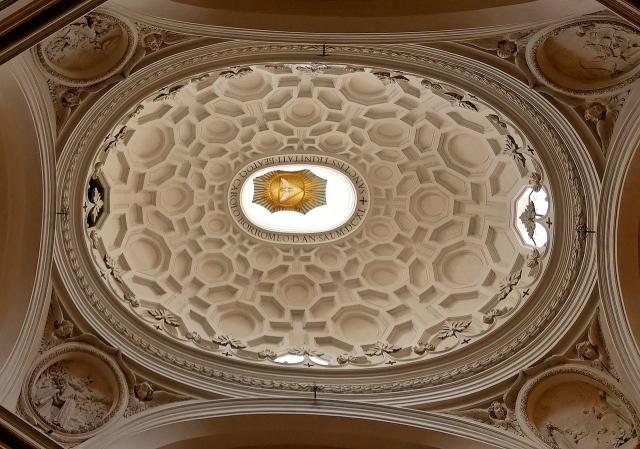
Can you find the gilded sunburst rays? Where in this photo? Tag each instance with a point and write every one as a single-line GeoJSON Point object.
{"type": "Point", "coordinates": [297, 191]}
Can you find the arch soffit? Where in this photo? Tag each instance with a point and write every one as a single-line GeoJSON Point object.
{"type": "Point", "coordinates": [618, 242]}
{"type": "Point", "coordinates": [301, 421]}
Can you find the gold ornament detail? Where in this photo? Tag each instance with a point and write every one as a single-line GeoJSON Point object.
{"type": "Point", "coordinates": [298, 191]}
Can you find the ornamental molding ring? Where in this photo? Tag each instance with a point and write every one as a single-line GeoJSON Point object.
{"type": "Point", "coordinates": [59, 394]}
{"type": "Point", "coordinates": [542, 123]}
{"type": "Point", "coordinates": [346, 228]}
{"type": "Point", "coordinates": [611, 45]}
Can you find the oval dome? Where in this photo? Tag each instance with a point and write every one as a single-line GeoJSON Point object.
{"type": "Point", "coordinates": [439, 277]}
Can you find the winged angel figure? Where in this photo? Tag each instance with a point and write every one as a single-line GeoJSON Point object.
{"type": "Point", "coordinates": [603, 116]}
{"type": "Point", "coordinates": [145, 397]}
{"type": "Point", "coordinates": [593, 349]}
{"type": "Point", "coordinates": [498, 414]}
{"type": "Point", "coordinates": [508, 46]}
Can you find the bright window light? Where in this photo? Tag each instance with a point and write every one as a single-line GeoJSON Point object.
{"type": "Point", "coordinates": [290, 359]}
{"type": "Point", "coordinates": [540, 201]}
{"type": "Point", "coordinates": [340, 197]}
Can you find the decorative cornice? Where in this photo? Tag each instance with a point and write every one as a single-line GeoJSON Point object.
{"type": "Point", "coordinates": [509, 92]}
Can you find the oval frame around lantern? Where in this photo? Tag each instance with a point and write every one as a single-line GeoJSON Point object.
{"type": "Point", "coordinates": [342, 228]}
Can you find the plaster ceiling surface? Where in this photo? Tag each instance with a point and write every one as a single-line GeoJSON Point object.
{"type": "Point", "coordinates": [439, 253]}
{"type": "Point", "coordinates": [349, 20]}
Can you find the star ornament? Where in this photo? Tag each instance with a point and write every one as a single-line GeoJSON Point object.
{"type": "Point", "coordinates": [297, 191]}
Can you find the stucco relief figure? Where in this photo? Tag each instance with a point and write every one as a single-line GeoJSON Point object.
{"type": "Point", "coordinates": [593, 350]}
{"type": "Point", "coordinates": [588, 57]}
{"type": "Point", "coordinates": [497, 414]}
{"type": "Point", "coordinates": [87, 34]}
{"type": "Point", "coordinates": [145, 397]}
{"type": "Point", "coordinates": [610, 50]}
{"type": "Point", "coordinates": [603, 115]}
{"type": "Point", "coordinates": [587, 418]}
{"type": "Point", "coordinates": [90, 50]}
{"type": "Point", "coordinates": [69, 402]}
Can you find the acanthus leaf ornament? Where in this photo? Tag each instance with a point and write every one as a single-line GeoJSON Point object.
{"type": "Point", "coordinates": [165, 317]}
{"type": "Point", "coordinates": [447, 92]}
{"type": "Point", "coordinates": [113, 267]}
{"type": "Point", "coordinates": [533, 258]}
{"type": "Point", "coordinates": [508, 285]}
{"type": "Point", "coordinates": [381, 348]}
{"type": "Point", "coordinates": [114, 139]}
{"type": "Point", "coordinates": [535, 181]}
{"type": "Point", "coordinates": [236, 73]}
{"type": "Point", "coordinates": [528, 218]}
{"type": "Point", "coordinates": [168, 93]}
{"type": "Point", "coordinates": [498, 123]}
{"type": "Point", "coordinates": [96, 204]}
{"type": "Point", "coordinates": [387, 78]}
{"type": "Point", "coordinates": [513, 149]}
{"type": "Point", "coordinates": [458, 99]}
{"type": "Point", "coordinates": [228, 340]}
{"type": "Point", "coordinates": [452, 329]}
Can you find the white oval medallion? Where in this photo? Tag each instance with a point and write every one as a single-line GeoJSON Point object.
{"type": "Point", "coordinates": [286, 200]}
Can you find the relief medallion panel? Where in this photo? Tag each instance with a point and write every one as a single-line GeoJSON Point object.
{"type": "Point", "coordinates": [90, 50]}
{"type": "Point", "coordinates": [587, 58]}
{"type": "Point", "coordinates": [75, 390]}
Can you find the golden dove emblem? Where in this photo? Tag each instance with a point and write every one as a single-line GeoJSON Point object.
{"type": "Point", "coordinates": [297, 191]}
